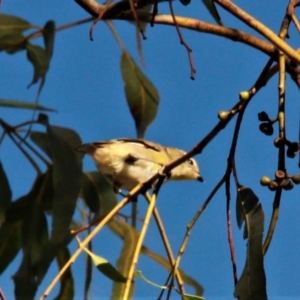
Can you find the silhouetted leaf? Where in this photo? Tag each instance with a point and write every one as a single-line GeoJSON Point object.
{"type": "Point", "coordinates": [34, 235]}
{"type": "Point", "coordinates": [245, 202]}
{"type": "Point", "coordinates": [66, 178]}
{"type": "Point", "coordinates": [89, 193]}
{"type": "Point", "coordinates": [129, 236]}
{"type": "Point", "coordinates": [107, 197]}
{"type": "Point", "coordinates": [252, 283]}
{"type": "Point", "coordinates": [5, 193]}
{"type": "Point", "coordinates": [185, 2]}
{"type": "Point", "coordinates": [23, 104]}
{"type": "Point", "coordinates": [142, 97]}
{"type": "Point", "coordinates": [11, 33]}
{"type": "Point", "coordinates": [39, 57]}
{"type": "Point", "coordinates": [66, 290]}
{"type": "Point", "coordinates": [10, 243]}
{"type": "Point", "coordinates": [40, 61]}
{"type": "Point", "coordinates": [211, 6]}
{"type": "Point", "coordinates": [42, 190]}
{"type": "Point", "coordinates": [59, 143]}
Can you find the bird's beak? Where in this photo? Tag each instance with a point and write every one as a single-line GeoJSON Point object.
{"type": "Point", "coordinates": [200, 178]}
{"type": "Point", "coordinates": [86, 148]}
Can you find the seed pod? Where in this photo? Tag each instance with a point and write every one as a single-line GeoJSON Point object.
{"type": "Point", "coordinates": [284, 183]}
{"type": "Point", "coordinates": [296, 178]}
{"type": "Point", "coordinates": [266, 128]}
{"type": "Point", "coordinates": [289, 186]}
{"type": "Point", "coordinates": [273, 185]}
{"type": "Point", "coordinates": [223, 115]}
{"type": "Point", "coordinates": [263, 116]}
{"type": "Point", "coordinates": [279, 174]}
{"type": "Point", "coordinates": [244, 95]}
{"type": "Point", "coordinates": [278, 142]}
{"type": "Point", "coordinates": [265, 180]}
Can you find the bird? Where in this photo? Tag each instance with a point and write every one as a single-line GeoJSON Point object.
{"type": "Point", "coordinates": [126, 162]}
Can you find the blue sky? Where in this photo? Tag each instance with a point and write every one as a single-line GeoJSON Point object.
{"type": "Point", "coordinates": [84, 84]}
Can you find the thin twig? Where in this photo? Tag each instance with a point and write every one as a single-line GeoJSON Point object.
{"type": "Point", "coordinates": [166, 243]}
{"type": "Point", "coordinates": [259, 27]}
{"type": "Point", "coordinates": [141, 238]}
{"type": "Point", "coordinates": [134, 192]}
{"type": "Point", "coordinates": [183, 42]}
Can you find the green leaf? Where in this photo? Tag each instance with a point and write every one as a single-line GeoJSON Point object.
{"type": "Point", "coordinates": [66, 178]}
{"type": "Point", "coordinates": [10, 243]}
{"type": "Point", "coordinates": [141, 95]}
{"type": "Point", "coordinates": [211, 6]}
{"type": "Point", "coordinates": [107, 197]}
{"type": "Point", "coordinates": [166, 264]}
{"type": "Point", "coordinates": [105, 267]}
{"type": "Point", "coordinates": [24, 105]}
{"type": "Point", "coordinates": [11, 33]}
{"type": "Point", "coordinates": [40, 61]}
{"type": "Point", "coordinates": [192, 297]}
{"type": "Point", "coordinates": [42, 190]}
{"type": "Point", "coordinates": [246, 200]}
{"type": "Point", "coordinates": [48, 34]}
{"type": "Point", "coordinates": [39, 57]}
{"type": "Point", "coordinates": [140, 275]}
{"type": "Point", "coordinates": [89, 193]}
{"type": "Point", "coordinates": [5, 194]}
{"type": "Point", "coordinates": [66, 290]}
{"type": "Point", "coordinates": [129, 236]}
{"type": "Point", "coordinates": [252, 283]}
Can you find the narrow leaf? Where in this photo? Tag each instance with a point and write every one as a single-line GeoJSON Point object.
{"type": "Point", "coordinates": [166, 264]}
{"type": "Point", "coordinates": [24, 105]}
{"type": "Point", "coordinates": [66, 178]}
{"type": "Point", "coordinates": [140, 275]}
{"type": "Point", "coordinates": [89, 193]}
{"type": "Point", "coordinates": [40, 62]}
{"type": "Point", "coordinates": [141, 95]}
{"type": "Point", "coordinates": [10, 243]}
{"type": "Point", "coordinates": [129, 236]}
{"type": "Point", "coordinates": [211, 6]}
{"type": "Point", "coordinates": [107, 197]}
{"type": "Point", "coordinates": [11, 33]}
{"type": "Point", "coordinates": [39, 57]}
{"type": "Point", "coordinates": [66, 290]}
{"type": "Point", "coordinates": [192, 297]}
{"type": "Point", "coordinates": [245, 202]}
{"type": "Point", "coordinates": [105, 267]}
{"type": "Point", "coordinates": [5, 193]}
{"type": "Point", "coordinates": [252, 283]}
{"type": "Point", "coordinates": [48, 34]}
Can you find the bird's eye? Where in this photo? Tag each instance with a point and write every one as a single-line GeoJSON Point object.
{"type": "Point", "coordinates": [190, 161]}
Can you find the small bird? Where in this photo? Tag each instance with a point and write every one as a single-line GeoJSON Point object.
{"type": "Point", "coordinates": [127, 162]}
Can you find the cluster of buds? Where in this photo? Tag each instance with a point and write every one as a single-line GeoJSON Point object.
{"type": "Point", "coordinates": [266, 126]}
{"type": "Point", "coordinates": [282, 180]}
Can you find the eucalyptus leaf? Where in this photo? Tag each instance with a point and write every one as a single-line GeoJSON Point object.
{"type": "Point", "coordinates": [11, 33]}
{"type": "Point", "coordinates": [141, 95]}
{"type": "Point", "coordinates": [5, 193]}
{"type": "Point", "coordinates": [105, 267]}
{"type": "Point", "coordinates": [211, 6]}
{"type": "Point", "coordinates": [252, 283]}
{"type": "Point", "coordinates": [24, 105]}
{"type": "Point", "coordinates": [67, 287]}
{"type": "Point", "coordinates": [40, 57]}
{"type": "Point", "coordinates": [10, 241]}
